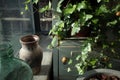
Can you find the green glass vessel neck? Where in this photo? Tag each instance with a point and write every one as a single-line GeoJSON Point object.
{"type": "Point", "coordinates": [6, 50]}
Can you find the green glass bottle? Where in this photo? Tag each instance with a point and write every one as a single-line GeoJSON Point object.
{"type": "Point", "coordinates": [12, 68]}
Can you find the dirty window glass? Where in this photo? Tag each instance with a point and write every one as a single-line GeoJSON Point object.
{"type": "Point", "coordinates": [15, 22]}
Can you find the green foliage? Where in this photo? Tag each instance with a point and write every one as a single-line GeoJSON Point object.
{"type": "Point", "coordinates": [59, 5]}
{"type": "Point", "coordinates": [81, 6]}
{"type": "Point", "coordinates": [69, 9]}
{"type": "Point", "coordinates": [35, 1]}
{"type": "Point", "coordinates": [82, 63]}
{"type": "Point", "coordinates": [100, 17]}
{"type": "Point", "coordinates": [54, 42]}
{"type": "Point", "coordinates": [78, 14]}
{"type": "Point", "coordinates": [45, 8]}
{"type": "Point", "coordinates": [75, 28]}
{"type": "Point", "coordinates": [57, 28]}
{"type": "Point", "coordinates": [98, 1]}
{"type": "Point", "coordinates": [102, 9]}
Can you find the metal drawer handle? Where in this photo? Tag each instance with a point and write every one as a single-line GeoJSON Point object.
{"type": "Point", "coordinates": [64, 60]}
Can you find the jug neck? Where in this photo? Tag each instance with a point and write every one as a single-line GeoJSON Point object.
{"type": "Point", "coordinates": [29, 41]}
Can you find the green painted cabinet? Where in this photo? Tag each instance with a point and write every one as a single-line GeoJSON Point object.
{"type": "Point", "coordinates": [69, 49]}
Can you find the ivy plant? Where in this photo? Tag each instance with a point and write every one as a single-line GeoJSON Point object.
{"type": "Point", "coordinates": [73, 16]}
{"type": "Point", "coordinates": [101, 16]}
{"type": "Point", "coordinates": [45, 8]}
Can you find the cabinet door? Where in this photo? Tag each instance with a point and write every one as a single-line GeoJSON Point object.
{"type": "Point", "coordinates": [69, 49]}
{"type": "Point", "coordinates": [70, 52]}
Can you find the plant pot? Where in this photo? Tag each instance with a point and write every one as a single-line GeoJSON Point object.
{"type": "Point", "coordinates": [92, 73]}
{"type": "Point", "coordinates": [31, 52]}
{"type": "Point", "coordinates": [84, 32]}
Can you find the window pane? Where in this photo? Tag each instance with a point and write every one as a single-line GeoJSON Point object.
{"type": "Point", "coordinates": [13, 24]}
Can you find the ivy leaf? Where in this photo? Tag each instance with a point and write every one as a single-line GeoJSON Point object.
{"type": "Point", "coordinates": [113, 50]}
{"type": "Point", "coordinates": [26, 7]}
{"type": "Point", "coordinates": [93, 62]}
{"type": "Point", "coordinates": [78, 57]}
{"type": "Point", "coordinates": [70, 61]}
{"type": "Point", "coordinates": [35, 1]}
{"type": "Point", "coordinates": [95, 21]}
{"type": "Point", "coordinates": [117, 8]}
{"type": "Point", "coordinates": [81, 5]}
{"type": "Point", "coordinates": [84, 57]}
{"type": "Point", "coordinates": [59, 5]}
{"type": "Point", "coordinates": [45, 8]}
{"type": "Point", "coordinates": [54, 42]}
{"type": "Point", "coordinates": [119, 32]}
{"type": "Point", "coordinates": [69, 9]}
{"type": "Point", "coordinates": [85, 51]}
{"type": "Point", "coordinates": [79, 69]}
{"type": "Point", "coordinates": [105, 46]}
{"type": "Point", "coordinates": [58, 26]}
{"type": "Point", "coordinates": [110, 65]}
{"type": "Point", "coordinates": [84, 18]}
{"type": "Point", "coordinates": [50, 5]}
{"type": "Point", "coordinates": [75, 28]}
{"type": "Point", "coordinates": [98, 1]}
{"type": "Point", "coordinates": [88, 16]}
{"type": "Point", "coordinates": [102, 9]}
{"type": "Point", "coordinates": [112, 23]}
{"type": "Point", "coordinates": [68, 69]}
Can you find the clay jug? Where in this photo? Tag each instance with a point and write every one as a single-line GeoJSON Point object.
{"type": "Point", "coordinates": [31, 52]}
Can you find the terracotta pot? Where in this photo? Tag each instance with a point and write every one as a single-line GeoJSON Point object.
{"type": "Point", "coordinates": [84, 32]}
{"type": "Point", "coordinates": [31, 52]}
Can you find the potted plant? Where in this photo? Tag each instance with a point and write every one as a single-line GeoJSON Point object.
{"type": "Point", "coordinates": [73, 19]}
{"type": "Point", "coordinates": [73, 16]}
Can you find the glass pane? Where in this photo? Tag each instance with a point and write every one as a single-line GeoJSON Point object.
{"type": "Point", "coordinates": [13, 24]}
